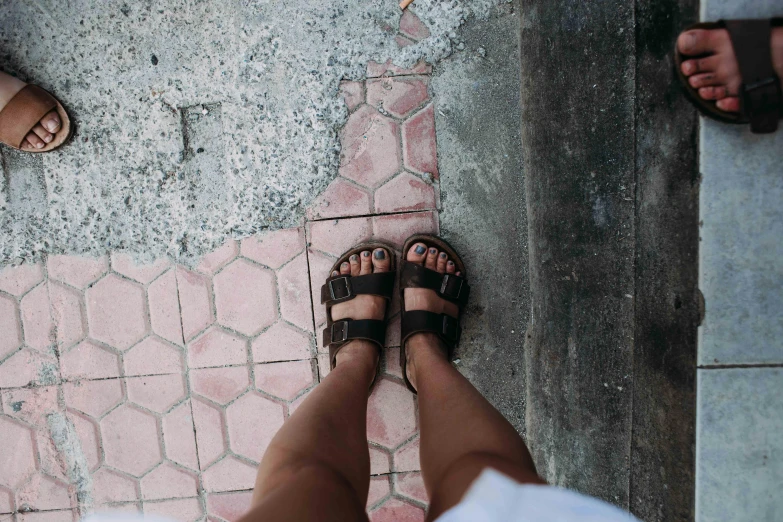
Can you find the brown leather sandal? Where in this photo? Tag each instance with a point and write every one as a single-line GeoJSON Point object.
{"type": "Point", "coordinates": [343, 288]}
{"type": "Point", "coordinates": [24, 111]}
{"type": "Point", "coordinates": [761, 102]}
{"type": "Point", "coordinates": [448, 286]}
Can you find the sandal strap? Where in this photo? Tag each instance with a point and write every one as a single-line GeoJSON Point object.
{"type": "Point", "coordinates": [21, 114]}
{"type": "Point", "coordinates": [336, 335]}
{"type": "Point", "coordinates": [446, 327]}
{"type": "Point", "coordinates": [451, 287]}
{"type": "Point", "coordinates": [760, 95]}
{"type": "Point", "coordinates": [344, 288]}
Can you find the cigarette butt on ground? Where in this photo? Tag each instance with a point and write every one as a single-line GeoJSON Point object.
{"type": "Point", "coordinates": [405, 3]}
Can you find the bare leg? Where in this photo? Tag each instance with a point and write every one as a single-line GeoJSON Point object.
{"type": "Point", "coordinates": [461, 433]}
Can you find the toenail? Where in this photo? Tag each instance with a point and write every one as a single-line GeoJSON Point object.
{"type": "Point", "coordinates": [420, 249]}
{"type": "Point", "coordinates": [380, 254]}
{"type": "Point", "coordinates": [39, 145]}
{"type": "Point", "coordinates": [366, 254]}
{"type": "Point", "coordinates": [443, 255]}
{"type": "Point", "coordinates": [432, 251]}
{"type": "Point", "coordinates": [335, 273]}
{"type": "Point", "coordinates": [51, 125]}
{"type": "Point", "coordinates": [48, 139]}
{"type": "Point", "coordinates": [451, 263]}
{"type": "Point", "coordinates": [345, 265]}
{"type": "Point", "coordinates": [354, 258]}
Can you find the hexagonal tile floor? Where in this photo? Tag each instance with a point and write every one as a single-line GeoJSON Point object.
{"type": "Point", "coordinates": [156, 388]}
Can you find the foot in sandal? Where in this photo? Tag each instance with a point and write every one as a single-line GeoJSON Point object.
{"type": "Point", "coordinates": [47, 129]}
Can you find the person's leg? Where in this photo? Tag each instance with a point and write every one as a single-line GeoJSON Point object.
{"type": "Point", "coordinates": [461, 432]}
{"type": "Point", "coordinates": [317, 466]}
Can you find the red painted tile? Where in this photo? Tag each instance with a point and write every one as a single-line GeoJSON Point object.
{"type": "Point", "coordinates": [164, 308]}
{"type": "Point", "coordinates": [219, 257]}
{"type": "Point", "coordinates": [419, 144]}
{"type": "Point", "coordinates": [411, 485]}
{"type": "Point", "coordinates": [335, 237]}
{"type": "Point", "coordinates": [397, 96]}
{"type": "Point", "coordinates": [391, 414]}
{"type": "Point", "coordinates": [168, 481]}
{"type": "Point", "coordinates": [370, 153]}
{"type": "Point", "coordinates": [403, 193]}
{"type": "Point", "coordinates": [183, 509]}
{"type": "Point", "coordinates": [407, 457]}
{"type": "Point", "coordinates": [10, 325]}
{"type": "Point", "coordinates": [76, 271]}
{"type": "Point", "coordinates": [68, 315]}
{"type": "Point", "coordinates": [44, 493]}
{"type": "Point", "coordinates": [396, 510]}
{"type": "Point", "coordinates": [275, 248]}
{"type": "Point", "coordinates": [153, 357]}
{"type": "Point", "coordinates": [209, 432]}
{"type": "Point", "coordinates": [89, 361]}
{"type": "Point", "coordinates": [216, 347]}
{"type": "Point", "coordinates": [375, 69]}
{"type": "Point", "coordinates": [195, 302]}
{"type": "Point", "coordinates": [396, 228]}
{"type": "Point", "coordinates": [156, 392]}
{"type": "Point", "coordinates": [16, 280]}
{"type": "Point", "coordinates": [282, 342]}
{"type": "Point", "coordinates": [110, 486]}
{"type": "Point", "coordinates": [27, 367]}
{"type": "Point", "coordinates": [340, 199]}
{"type": "Point", "coordinates": [245, 297]}
{"type": "Point", "coordinates": [285, 379]}
{"type": "Point", "coordinates": [252, 422]}
{"type": "Point", "coordinates": [130, 440]}
{"type": "Point", "coordinates": [17, 457]}
{"type": "Point", "coordinates": [229, 506]}
{"type": "Point", "coordinates": [143, 273]}
{"type": "Point", "coordinates": [116, 312]}
{"type": "Point", "coordinates": [93, 397]}
{"type": "Point", "coordinates": [379, 488]}
{"type": "Point", "coordinates": [37, 319]}
{"type": "Point", "coordinates": [87, 431]}
{"type": "Point", "coordinates": [379, 461]}
{"type": "Point", "coordinates": [352, 93]}
{"type": "Point", "coordinates": [222, 385]}
{"type": "Point", "coordinates": [294, 287]}
{"type": "Point", "coordinates": [229, 474]}
{"type": "Point", "coordinates": [412, 27]}
{"type": "Point", "coordinates": [179, 437]}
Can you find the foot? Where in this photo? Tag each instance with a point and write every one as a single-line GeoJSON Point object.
{"type": "Point", "coordinates": [717, 75]}
{"type": "Point", "coordinates": [44, 130]}
{"type": "Point", "coordinates": [427, 344]}
{"type": "Point", "coordinates": [362, 306]}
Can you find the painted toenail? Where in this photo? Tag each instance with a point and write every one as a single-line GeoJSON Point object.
{"type": "Point", "coordinates": [420, 249]}
{"type": "Point", "coordinates": [380, 254]}
{"type": "Point", "coordinates": [366, 254]}
{"type": "Point", "coordinates": [451, 263]}
{"type": "Point", "coordinates": [443, 255]}
{"type": "Point", "coordinates": [432, 251]}
{"type": "Point", "coordinates": [354, 258]}
{"type": "Point", "coordinates": [345, 265]}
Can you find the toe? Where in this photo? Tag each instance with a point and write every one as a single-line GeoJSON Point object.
{"type": "Point", "coordinates": [381, 260]}
{"type": "Point", "coordinates": [431, 261]}
{"type": "Point", "coordinates": [354, 262]}
{"type": "Point", "coordinates": [450, 267]}
{"type": "Point", "coordinates": [696, 41]}
{"type": "Point", "coordinates": [704, 80]}
{"type": "Point", "coordinates": [442, 258]}
{"type": "Point", "coordinates": [42, 133]}
{"type": "Point", "coordinates": [729, 104]}
{"type": "Point", "coordinates": [345, 269]}
{"type": "Point", "coordinates": [702, 65]}
{"type": "Point", "coordinates": [713, 93]}
{"type": "Point", "coordinates": [366, 263]}
{"type": "Point", "coordinates": [459, 273]}
{"type": "Point", "coordinates": [51, 122]}
{"type": "Point", "coordinates": [34, 140]}
{"type": "Point", "coordinates": [335, 273]}
{"type": "Point", "coordinates": [417, 253]}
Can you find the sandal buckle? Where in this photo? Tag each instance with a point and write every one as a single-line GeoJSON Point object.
{"type": "Point", "coordinates": [449, 287]}
{"type": "Point", "coordinates": [340, 288]}
{"type": "Point", "coordinates": [339, 332]}
{"type": "Point", "coordinates": [451, 328]}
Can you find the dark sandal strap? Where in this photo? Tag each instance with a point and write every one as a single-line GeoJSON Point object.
{"type": "Point", "coordinates": [446, 327]}
{"type": "Point", "coordinates": [760, 95]}
{"type": "Point", "coordinates": [448, 286]}
{"type": "Point", "coordinates": [340, 332]}
{"type": "Point", "coordinates": [23, 112]}
{"type": "Point", "coordinates": [344, 288]}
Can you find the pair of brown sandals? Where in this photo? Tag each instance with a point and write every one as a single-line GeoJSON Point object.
{"type": "Point", "coordinates": [342, 288]}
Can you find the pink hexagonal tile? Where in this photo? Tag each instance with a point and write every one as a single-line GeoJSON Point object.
{"type": "Point", "coordinates": [43, 493]}
{"type": "Point", "coordinates": [336, 236]}
{"type": "Point", "coordinates": [16, 280]}
{"type": "Point", "coordinates": [393, 360]}
{"type": "Point", "coordinates": [168, 481]}
{"type": "Point", "coordinates": [324, 367]}
{"type": "Point", "coordinates": [222, 385]}
{"type": "Point", "coordinates": [68, 315]}
{"type": "Point", "coordinates": [285, 379]}
{"type": "Point", "coordinates": [27, 367]}
{"type": "Point", "coordinates": [404, 193]}
{"type": "Point", "coordinates": [116, 312]}
{"type": "Point", "coordinates": [153, 357]}
{"type": "Point", "coordinates": [407, 457]}
{"type": "Point", "coordinates": [50, 459]}
{"type": "Point", "coordinates": [130, 440]}
{"type": "Point", "coordinates": [375, 69]}
{"type": "Point", "coordinates": [76, 271]}
{"type": "Point", "coordinates": [156, 392]}
{"type": "Point", "coordinates": [293, 406]}
{"type": "Point", "coordinates": [165, 308]}
{"type": "Point", "coordinates": [87, 431]}
{"type": "Point", "coordinates": [184, 509]}
{"type": "Point", "coordinates": [319, 271]}
{"type": "Point", "coordinates": [209, 432]}
{"type": "Point", "coordinates": [245, 297]}
{"type": "Point", "coordinates": [219, 257]}
{"type": "Point", "coordinates": [412, 27]}
{"type": "Point", "coordinates": [274, 248]}
{"type": "Point", "coordinates": [10, 325]}
{"type": "Point", "coordinates": [17, 457]}
{"type": "Point", "coordinates": [396, 510]}
{"type": "Point", "coordinates": [110, 486]}
{"type": "Point", "coordinates": [252, 422]}
{"type": "Point", "coordinates": [352, 93]}
{"type": "Point", "coordinates": [30, 405]}
{"type": "Point", "coordinates": [419, 144]}
{"type": "Point", "coordinates": [340, 199]}
{"type": "Point", "coordinates": [411, 485]}
{"type": "Point", "coordinates": [6, 503]}
{"type": "Point", "coordinates": [396, 228]}
{"type": "Point", "coordinates": [93, 397]}
{"type": "Point", "coordinates": [216, 347]}
{"type": "Point", "coordinates": [229, 474]}
{"type": "Point", "coordinates": [379, 461]}
{"type": "Point", "coordinates": [143, 273]}
{"type": "Point", "coordinates": [397, 96]}
{"type": "Point", "coordinates": [66, 515]}
{"type": "Point", "coordinates": [37, 319]}
{"type": "Point", "coordinates": [391, 414]}
{"type": "Point", "coordinates": [195, 301]}
{"type": "Point", "coordinates": [282, 342]}
{"type": "Point", "coordinates": [371, 152]}
{"type": "Point", "coordinates": [229, 506]}
{"type": "Point", "coordinates": [379, 489]}
{"type": "Point", "coordinates": [179, 436]}
{"type": "Point", "coordinates": [294, 286]}
{"type": "Point", "coordinates": [89, 361]}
